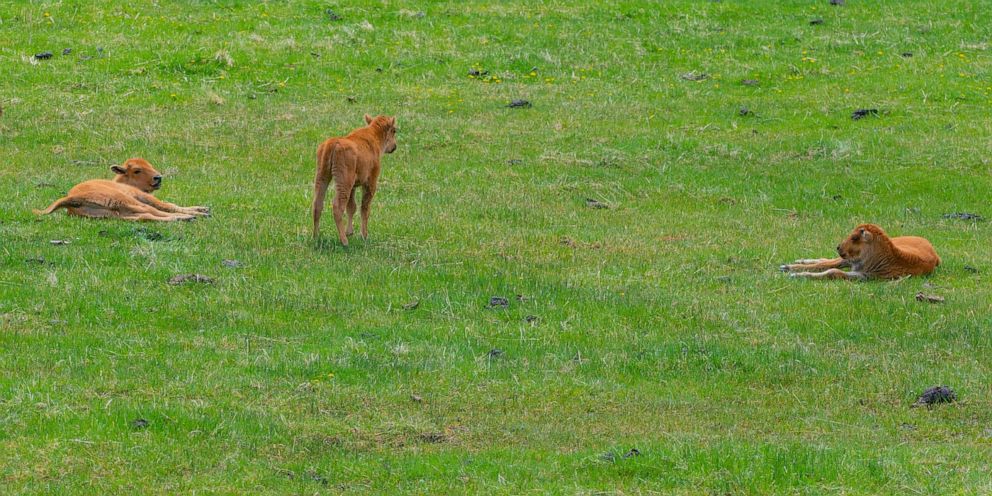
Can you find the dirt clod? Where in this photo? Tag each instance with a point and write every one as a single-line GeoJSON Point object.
{"type": "Point", "coordinates": [530, 318]}
{"type": "Point", "coordinates": [139, 423]}
{"type": "Point", "coordinates": [148, 234]}
{"type": "Point", "coordinates": [416, 398]}
{"type": "Point", "coordinates": [315, 477]}
{"type": "Point", "coordinates": [59, 242]}
{"type": "Point", "coordinates": [232, 264]}
{"type": "Point", "coordinates": [494, 353]}
{"type": "Point", "coordinates": [906, 55]}
{"type": "Point", "coordinates": [331, 15]}
{"type": "Point", "coordinates": [187, 278]}
{"type": "Point", "coordinates": [593, 203]}
{"type": "Point", "coordinates": [412, 305]}
{"type": "Point", "coordinates": [43, 55]}
{"type": "Point", "coordinates": [816, 22]}
{"type": "Point", "coordinates": [921, 296]}
{"type": "Point", "coordinates": [862, 113]}
{"type": "Point", "coordinates": [498, 302]}
{"type": "Point", "coordinates": [935, 395]}
{"type": "Point", "coordinates": [432, 437]}
{"type": "Point", "coordinates": [964, 216]}
{"type": "Point", "coordinates": [632, 453]}
{"type": "Point", "coordinates": [971, 269]}
{"type": "Point", "coordinates": [478, 73]}
{"type": "Point", "coordinates": [518, 103]}
{"type": "Point", "coordinates": [836, 2]}
{"type": "Point", "coordinates": [749, 82]}
{"type": "Point", "coordinates": [695, 76]}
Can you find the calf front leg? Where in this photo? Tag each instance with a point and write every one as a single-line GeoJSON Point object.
{"type": "Point", "coordinates": [814, 265]}
{"type": "Point", "coordinates": [367, 194]}
{"type": "Point", "coordinates": [831, 274]}
{"type": "Point", "coordinates": [165, 206]}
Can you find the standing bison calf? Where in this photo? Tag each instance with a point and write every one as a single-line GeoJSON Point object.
{"type": "Point", "coordinates": [869, 252]}
{"type": "Point", "coordinates": [351, 162]}
{"type": "Point", "coordinates": [127, 197]}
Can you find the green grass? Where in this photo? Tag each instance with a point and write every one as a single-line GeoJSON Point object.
{"type": "Point", "coordinates": [662, 323]}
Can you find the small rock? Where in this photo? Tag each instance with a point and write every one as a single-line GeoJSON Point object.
{"type": "Point", "coordinates": [929, 298]}
{"type": "Point", "coordinates": [632, 453]}
{"type": "Point", "coordinates": [593, 203]}
{"type": "Point", "coordinates": [416, 398]}
{"type": "Point", "coordinates": [66, 51]}
{"type": "Point", "coordinates": [498, 302]}
{"type": "Point", "coordinates": [744, 112]}
{"type": "Point", "coordinates": [494, 353]}
{"type": "Point", "coordinates": [964, 216]}
{"type": "Point", "coordinates": [695, 76]}
{"type": "Point", "coordinates": [816, 22]}
{"type": "Point", "coordinates": [59, 242]}
{"type": "Point", "coordinates": [412, 305]}
{"type": "Point", "coordinates": [750, 82]}
{"type": "Point", "coordinates": [43, 56]}
{"type": "Point", "coordinates": [519, 104]}
{"type": "Point", "coordinates": [185, 278]}
{"type": "Point", "coordinates": [906, 55]}
{"type": "Point", "coordinates": [139, 423]}
{"type": "Point", "coordinates": [862, 113]}
{"type": "Point", "coordinates": [934, 395]}
{"type": "Point", "coordinates": [351, 99]}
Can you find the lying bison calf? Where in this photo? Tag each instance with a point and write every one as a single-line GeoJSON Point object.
{"type": "Point", "coordinates": [127, 197]}
{"type": "Point", "coordinates": [869, 252]}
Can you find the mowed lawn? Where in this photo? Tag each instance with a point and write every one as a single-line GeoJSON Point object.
{"type": "Point", "coordinates": [659, 323]}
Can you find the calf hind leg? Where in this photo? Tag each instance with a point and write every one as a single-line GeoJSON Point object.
{"type": "Point", "coordinates": [342, 196]}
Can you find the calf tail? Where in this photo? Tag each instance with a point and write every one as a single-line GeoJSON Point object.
{"type": "Point", "coordinates": [60, 203]}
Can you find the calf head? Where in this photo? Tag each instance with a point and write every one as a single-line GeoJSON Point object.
{"type": "Point", "coordinates": [861, 241]}
{"type": "Point", "coordinates": [385, 127]}
{"type": "Point", "coordinates": [137, 172]}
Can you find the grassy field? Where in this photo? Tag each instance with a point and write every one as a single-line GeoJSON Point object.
{"type": "Point", "coordinates": [658, 324]}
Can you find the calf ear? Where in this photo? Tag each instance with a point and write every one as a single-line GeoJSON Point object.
{"type": "Point", "coordinates": [392, 122]}
{"type": "Point", "coordinates": [867, 235]}
{"type": "Point", "coordinates": [368, 119]}
{"type": "Point", "coordinates": [118, 169]}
